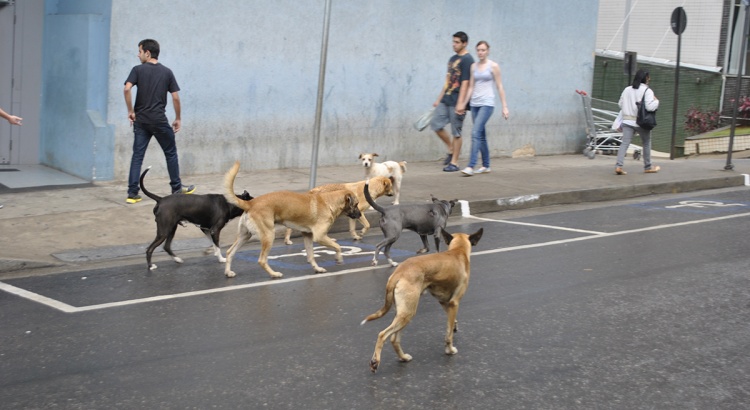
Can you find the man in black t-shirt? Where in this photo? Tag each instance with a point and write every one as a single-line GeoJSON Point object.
{"type": "Point", "coordinates": [451, 104]}
{"type": "Point", "coordinates": [148, 118]}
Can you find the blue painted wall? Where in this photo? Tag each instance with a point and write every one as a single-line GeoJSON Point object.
{"type": "Point", "coordinates": [74, 134]}
{"type": "Point", "coordinates": [249, 76]}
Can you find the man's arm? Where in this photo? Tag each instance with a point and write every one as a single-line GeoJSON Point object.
{"type": "Point", "coordinates": [462, 98]}
{"type": "Point", "coordinates": [177, 123]}
{"type": "Point", "coordinates": [129, 102]}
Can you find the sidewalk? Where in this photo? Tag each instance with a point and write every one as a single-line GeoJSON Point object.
{"type": "Point", "coordinates": [79, 225]}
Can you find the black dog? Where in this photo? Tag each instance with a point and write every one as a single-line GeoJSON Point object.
{"type": "Point", "coordinates": [210, 212]}
{"type": "Point", "coordinates": [424, 219]}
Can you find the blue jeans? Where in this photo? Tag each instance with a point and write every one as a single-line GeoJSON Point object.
{"type": "Point", "coordinates": [165, 137]}
{"type": "Point", "coordinates": [480, 116]}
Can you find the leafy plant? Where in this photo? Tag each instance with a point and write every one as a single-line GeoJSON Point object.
{"type": "Point", "coordinates": [699, 121]}
{"type": "Point", "coordinates": [743, 110]}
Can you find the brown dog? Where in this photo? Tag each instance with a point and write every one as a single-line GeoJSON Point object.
{"type": "Point", "coordinates": [313, 214]}
{"type": "Point", "coordinates": [445, 275]}
{"type": "Point", "coordinates": [379, 186]}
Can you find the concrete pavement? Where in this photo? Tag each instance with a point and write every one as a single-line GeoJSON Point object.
{"type": "Point", "coordinates": [69, 227]}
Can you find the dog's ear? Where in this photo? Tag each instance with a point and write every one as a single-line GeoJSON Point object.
{"type": "Point", "coordinates": [374, 154]}
{"type": "Point", "coordinates": [360, 156]}
{"type": "Point", "coordinates": [447, 237]}
{"type": "Point", "coordinates": [474, 238]}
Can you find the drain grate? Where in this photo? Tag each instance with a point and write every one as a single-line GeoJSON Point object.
{"type": "Point", "coordinates": [8, 170]}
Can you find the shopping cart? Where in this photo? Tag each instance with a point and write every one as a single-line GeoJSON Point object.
{"type": "Point", "coordinates": [600, 137]}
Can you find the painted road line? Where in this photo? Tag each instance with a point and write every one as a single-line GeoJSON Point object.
{"type": "Point", "coordinates": [72, 309]}
{"type": "Point", "coordinates": [561, 228]}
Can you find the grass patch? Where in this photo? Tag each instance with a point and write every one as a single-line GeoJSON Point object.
{"type": "Point", "coordinates": [724, 132]}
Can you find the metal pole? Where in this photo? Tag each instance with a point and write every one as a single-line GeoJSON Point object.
{"type": "Point", "coordinates": [321, 90]}
{"type": "Point", "coordinates": [741, 55]}
{"type": "Point", "coordinates": [676, 89]}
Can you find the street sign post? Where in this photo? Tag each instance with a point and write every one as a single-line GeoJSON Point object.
{"type": "Point", "coordinates": [679, 22]}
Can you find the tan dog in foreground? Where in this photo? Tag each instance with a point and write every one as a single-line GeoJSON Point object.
{"type": "Point", "coordinates": [379, 186]}
{"type": "Point", "coordinates": [312, 214]}
{"type": "Point", "coordinates": [445, 275]}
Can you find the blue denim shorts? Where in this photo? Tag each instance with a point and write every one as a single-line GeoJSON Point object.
{"type": "Point", "coordinates": [444, 115]}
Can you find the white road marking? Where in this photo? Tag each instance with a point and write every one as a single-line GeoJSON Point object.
{"type": "Point", "coordinates": [594, 235]}
{"type": "Point", "coordinates": [537, 225]}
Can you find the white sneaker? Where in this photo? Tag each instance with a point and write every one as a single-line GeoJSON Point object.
{"type": "Point", "coordinates": [468, 171]}
{"type": "Point", "coordinates": [483, 170]}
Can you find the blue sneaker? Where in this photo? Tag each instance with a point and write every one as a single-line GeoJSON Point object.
{"type": "Point", "coordinates": [448, 158]}
{"type": "Point", "coordinates": [451, 168]}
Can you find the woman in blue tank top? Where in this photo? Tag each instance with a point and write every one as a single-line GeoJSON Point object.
{"type": "Point", "coordinates": [485, 78]}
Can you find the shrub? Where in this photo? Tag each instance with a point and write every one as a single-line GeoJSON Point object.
{"type": "Point", "coordinates": [699, 121]}
{"type": "Point", "coordinates": [743, 110]}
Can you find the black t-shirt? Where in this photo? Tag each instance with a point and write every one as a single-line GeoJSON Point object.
{"type": "Point", "coordinates": [459, 69]}
{"type": "Point", "coordinates": [154, 82]}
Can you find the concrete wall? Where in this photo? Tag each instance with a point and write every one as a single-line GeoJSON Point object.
{"type": "Point", "coordinates": [75, 137]}
{"type": "Point", "coordinates": [249, 76]}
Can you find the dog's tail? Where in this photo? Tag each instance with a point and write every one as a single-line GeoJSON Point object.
{"type": "Point", "coordinates": [229, 187]}
{"type": "Point", "coordinates": [371, 201]}
{"type": "Point", "coordinates": [146, 191]}
{"type": "Point", "coordinates": [402, 164]}
{"type": "Point", "coordinates": [390, 292]}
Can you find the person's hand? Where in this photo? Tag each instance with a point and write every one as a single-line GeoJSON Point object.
{"type": "Point", "coordinates": [131, 118]}
{"type": "Point", "coordinates": [460, 110]}
{"type": "Point", "coordinates": [176, 125]}
{"type": "Point", "coordinates": [506, 113]}
{"type": "Point", "coordinates": [14, 120]}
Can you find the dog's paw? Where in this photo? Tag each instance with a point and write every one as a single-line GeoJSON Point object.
{"type": "Point", "coordinates": [374, 262]}
{"type": "Point", "coordinates": [405, 358]}
{"type": "Point", "coordinates": [356, 237]}
{"type": "Point", "coordinates": [222, 259]}
{"type": "Point", "coordinates": [288, 242]}
{"type": "Point", "coordinates": [209, 250]}
{"type": "Point", "coordinates": [318, 269]}
{"type": "Point", "coordinates": [276, 275]}
{"type": "Point", "coordinates": [152, 267]}
{"type": "Point", "coordinates": [450, 350]}
{"type": "Point", "coordinates": [177, 259]}
{"type": "Point", "coordinates": [423, 250]}
{"type": "Point", "coordinates": [393, 263]}
{"type": "Point", "coordinates": [230, 274]}
{"type": "Point", "coordinates": [374, 365]}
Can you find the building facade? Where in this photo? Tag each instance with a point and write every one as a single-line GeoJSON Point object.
{"type": "Point", "coordinates": [249, 70]}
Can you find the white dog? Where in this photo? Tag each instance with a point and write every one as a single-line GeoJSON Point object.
{"type": "Point", "coordinates": [391, 169]}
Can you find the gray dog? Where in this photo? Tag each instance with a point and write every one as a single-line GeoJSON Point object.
{"type": "Point", "coordinates": [424, 219]}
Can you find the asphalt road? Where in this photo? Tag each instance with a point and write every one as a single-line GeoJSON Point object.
{"type": "Point", "coordinates": [631, 305]}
